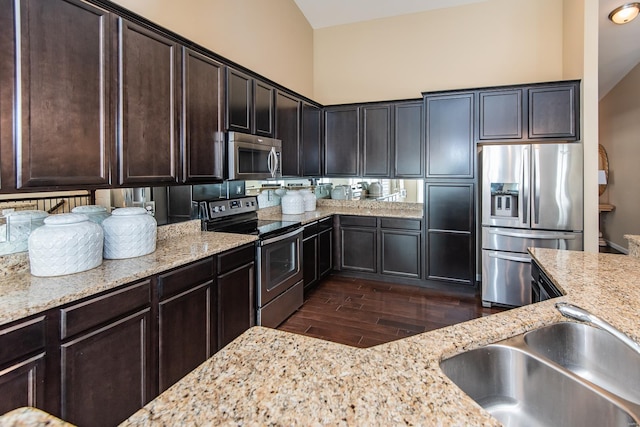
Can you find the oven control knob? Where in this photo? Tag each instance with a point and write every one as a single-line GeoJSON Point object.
{"type": "Point", "coordinates": [221, 208]}
{"type": "Point", "coordinates": [216, 209]}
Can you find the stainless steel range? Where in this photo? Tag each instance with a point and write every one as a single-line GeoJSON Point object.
{"type": "Point", "coordinates": [278, 254]}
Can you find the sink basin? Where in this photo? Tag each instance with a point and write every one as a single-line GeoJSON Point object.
{"type": "Point", "coordinates": [592, 354]}
{"type": "Point", "coordinates": [520, 389]}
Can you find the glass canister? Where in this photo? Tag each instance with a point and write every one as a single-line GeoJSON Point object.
{"type": "Point", "coordinates": [96, 213]}
{"type": "Point", "coordinates": [292, 203]}
{"type": "Point", "coordinates": [66, 244]}
{"type": "Point", "coordinates": [15, 228]}
{"type": "Point", "coordinates": [129, 233]}
{"type": "Point", "coordinates": [309, 200]}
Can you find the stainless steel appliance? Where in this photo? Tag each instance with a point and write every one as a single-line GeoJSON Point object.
{"type": "Point", "coordinates": [183, 201]}
{"type": "Point", "coordinates": [531, 197]}
{"type": "Point", "coordinates": [278, 252]}
{"type": "Point", "coordinates": [253, 157]}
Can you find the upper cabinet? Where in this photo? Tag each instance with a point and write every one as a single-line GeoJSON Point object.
{"type": "Point", "coordinates": [202, 137]}
{"type": "Point", "coordinates": [250, 104]}
{"type": "Point", "coordinates": [311, 140]}
{"type": "Point", "coordinates": [148, 110]}
{"type": "Point", "coordinates": [288, 131]}
{"type": "Point", "coordinates": [341, 141]}
{"type": "Point", "coordinates": [64, 133]}
{"type": "Point", "coordinates": [377, 133]}
{"type": "Point", "coordinates": [408, 132]}
{"type": "Point", "coordinates": [450, 135]}
{"type": "Point", "coordinates": [546, 111]}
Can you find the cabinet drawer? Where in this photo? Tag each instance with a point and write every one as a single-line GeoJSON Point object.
{"type": "Point", "coordinates": [21, 339]}
{"type": "Point", "coordinates": [234, 258]}
{"type": "Point", "coordinates": [183, 278]}
{"type": "Point", "coordinates": [325, 224]}
{"type": "Point", "coordinates": [310, 230]}
{"type": "Point", "coordinates": [357, 221]}
{"type": "Point", "coordinates": [403, 224]}
{"type": "Point", "coordinates": [96, 311]}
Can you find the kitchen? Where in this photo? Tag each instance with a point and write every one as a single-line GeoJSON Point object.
{"type": "Point", "coordinates": [586, 221]}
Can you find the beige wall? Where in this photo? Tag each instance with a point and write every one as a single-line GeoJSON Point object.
{"type": "Point", "coordinates": [620, 135]}
{"type": "Point", "coordinates": [495, 42]}
{"type": "Point", "coordinates": [270, 37]}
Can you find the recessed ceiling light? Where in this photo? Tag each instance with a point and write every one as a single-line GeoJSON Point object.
{"type": "Point", "coordinates": [625, 13]}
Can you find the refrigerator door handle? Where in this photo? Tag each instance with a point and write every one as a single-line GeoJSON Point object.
{"type": "Point", "coordinates": [536, 186]}
{"type": "Point", "coordinates": [510, 257]}
{"type": "Point", "coordinates": [534, 236]}
{"type": "Point", "coordinates": [525, 185]}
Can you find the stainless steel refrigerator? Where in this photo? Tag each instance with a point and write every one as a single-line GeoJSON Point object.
{"type": "Point", "coordinates": [531, 197]}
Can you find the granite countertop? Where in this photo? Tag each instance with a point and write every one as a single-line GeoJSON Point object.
{"type": "Point", "coordinates": [272, 377]}
{"type": "Point", "coordinates": [22, 294]}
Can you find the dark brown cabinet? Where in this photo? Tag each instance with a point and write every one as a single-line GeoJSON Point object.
{"type": "Point", "coordinates": [311, 140]}
{"type": "Point", "coordinates": [401, 247]}
{"type": "Point", "coordinates": [553, 111]}
{"type": "Point", "coordinates": [450, 140]}
{"type": "Point", "coordinates": [450, 227]}
{"type": "Point", "coordinates": [408, 140]}
{"type": "Point", "coordinates": [66, 133]}
{"type": "Point", "coordinates": [106, 370]}
{"type": "Point", "coordinates": [317, 251]}
{"type": "Point", "coordinates": [202, 138]}
{"type": "Point", "coordinates": [250, 104]}
{"type": "Point", "coordinates": [148, 114]}
{"type": "Point", "coordinates": [187, 320]}
{"type": "Point", "coordinates": [358, 244]}
{"type": "Point", "coordinates": [342, 141]}
{"type": "Point", "coordinates": [236, 283]}
{"type": "Point", "coordinates": [288, 131]}
{"type": "Point", "coordinates": [500, 114]}
{"type": "Point", "coordinates": [377, 133]}
{"type": "Point", "coordinates": [22, 364]}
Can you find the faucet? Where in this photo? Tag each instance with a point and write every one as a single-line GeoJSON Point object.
{"type": "Point", "coordinates": [574, 312]}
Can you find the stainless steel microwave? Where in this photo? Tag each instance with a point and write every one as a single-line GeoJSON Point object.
{"type": "Point", "coordinates": [253, 157]}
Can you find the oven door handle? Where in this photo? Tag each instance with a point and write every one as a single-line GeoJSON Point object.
{"type": "Point", "coordinates": [281, 237]}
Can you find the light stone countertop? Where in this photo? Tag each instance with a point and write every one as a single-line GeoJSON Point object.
{"type": "Point", "coordinates": [634, 244]}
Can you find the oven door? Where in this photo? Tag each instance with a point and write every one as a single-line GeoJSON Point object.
{"type": "Point", "coordinates": [279, 266]}
{"type": "Point", "coordinates": [253, 161]}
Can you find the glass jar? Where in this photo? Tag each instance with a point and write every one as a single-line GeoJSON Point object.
{"type": "Point", "coordinates": [66, 244]}
{"type": "Point", "coordinates": [15, 228]}
{"type": "Point", "coordinates": [129, 233]}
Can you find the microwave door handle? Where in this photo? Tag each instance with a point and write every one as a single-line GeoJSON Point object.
{"type": "Point", "coordinates": [273, 162]}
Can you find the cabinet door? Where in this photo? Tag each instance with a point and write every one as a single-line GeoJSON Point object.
{"type": "Point", "coordinates": [409, 140]}
{"type": "Point", "coordinates": [106, 373]}
{"type": "Point", "coordinates": [341, 141]}
{"type": "Point", "coordinates": [203, 141]}
{"type": "Point", "coordinates": [263, 109]}
{"type": "Point", "coordinates": [311, 142]}
{"type": "Point", "coordinates": [149, 106]}
{"type": "Point", "coordinates": [22, 367]}
{"type": "Point", "coordinates": [239, 101]}
{"type": "Point", "coordinates": [288, 131]}
{"type": "Point", "coordinates": [552, 112]}
{"type": "Point", "coordinates": [450, 232]}
{"type": "Point", "coordinates": [65, 135]}
{"type": "Point", "coordinates": [450, 136]}
{"type": "Point", "coordinates": [401, 252]}
{"type": "Point", "coordinates": [325, 247]}
{"type": "Point", "coordinates": [236, 309]}
{"type": "Point", "coordinates": [500, 114]}
{"type": "Point", "coordinates": [376, 140]}
{"type": "Point", "coordinates": [358, 249]}
{"type": "Point", "coordinates": [310, 260]}
{"type": "Point", "coordinates": [7, 95]}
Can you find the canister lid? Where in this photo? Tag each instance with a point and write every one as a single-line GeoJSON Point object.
{"type": "Point", "coordinates": [129, 211]}
{"type": "Point", "coordinates": [65, 218]}
{"type": "Point", "coordinates": [90, 209]}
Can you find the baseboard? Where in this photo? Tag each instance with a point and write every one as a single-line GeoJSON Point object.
{"type": "Point", "coordinates": [618, 248]}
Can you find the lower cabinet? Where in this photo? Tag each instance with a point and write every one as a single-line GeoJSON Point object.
{"type": "Point", "coordinates": [317, 251]}
{"type": "Point", "coordinates": [22, 356]}
{"type": "Point", "coordinates": [236, 293]}
{"type": "Point", "coordinates": [385, 246]}
{"type": "Point", "coordinates": [106, 357]}
{"type": "Point", "coordinates": [187, 321]}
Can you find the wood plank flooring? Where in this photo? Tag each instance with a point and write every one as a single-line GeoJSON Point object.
{"type": "Point", "coordinates": [364, 313]}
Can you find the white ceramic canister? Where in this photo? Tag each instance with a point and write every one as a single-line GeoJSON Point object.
{"type": "Point", "coordinates": [309, 200]}
{"type": "Point", "coordinates": [96, 213]}
{"type": "Point", "coordinates": [292, 203]}
{"type": "Point", "coordinates": [268, 198]}
{"type": "Point", "coordinates": [129, 233]}
{"type": "Point", "coordinates": [67, 243]}
{"type": "Point", "coordinates": [18, 225]}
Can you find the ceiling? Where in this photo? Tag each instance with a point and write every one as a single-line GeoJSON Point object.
{"type": "Point", "coordinates": [619, 50]}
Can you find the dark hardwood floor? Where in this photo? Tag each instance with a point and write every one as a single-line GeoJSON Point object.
{"type": "Point", "coordinates": [364, 313]}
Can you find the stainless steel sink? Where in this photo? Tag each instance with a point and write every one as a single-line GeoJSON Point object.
{"type": "Point", "coordinates": [591, 353]}
{"type": "Point", "coordinates": [515, 382]}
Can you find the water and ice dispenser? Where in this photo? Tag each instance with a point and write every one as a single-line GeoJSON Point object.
{"type": "Point", "coordinates": [504, 199]}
